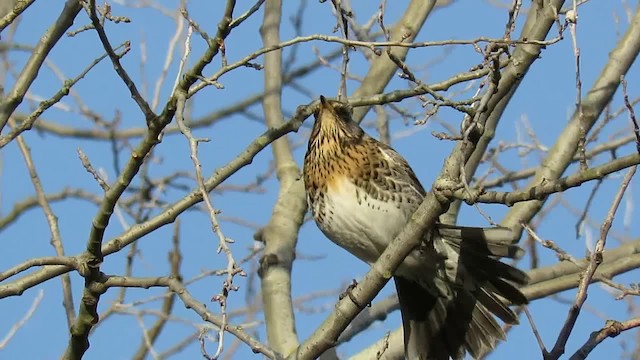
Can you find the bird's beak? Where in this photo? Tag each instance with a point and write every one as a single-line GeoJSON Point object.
{"type": "Point", "coordinates": [324, 106]}
{"type": "Point", "coordinates": [324, 102]}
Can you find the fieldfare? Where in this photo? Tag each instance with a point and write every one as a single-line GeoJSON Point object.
{"type": "Point", "coordinates": [362, 193]}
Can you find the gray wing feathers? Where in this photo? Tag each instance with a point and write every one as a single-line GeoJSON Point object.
{"type": "Point", "coordinates": [496, 241]}
{"type": "Point", "coordinates": [458, 317]}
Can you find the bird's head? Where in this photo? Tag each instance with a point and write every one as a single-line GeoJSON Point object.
{"type": "Point", "coordinates": [336, 146]}
{"type": "Point", "coordinates": [333, 121]}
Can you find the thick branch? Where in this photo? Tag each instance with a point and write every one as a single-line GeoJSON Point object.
{"type": "Point", "coordinates": [563, 151]}
{"type": "Point", "coordinates": [540, 19]}
{"type": "Point", "coordinates": [281, 233]}
{"type": "Point", "coordinates": [382, 68]}
{"type": "Point", "coordinates": [39, 54]}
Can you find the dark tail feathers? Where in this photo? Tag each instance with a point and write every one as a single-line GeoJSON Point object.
{"type": "Point", "coordinates": [438, 329]}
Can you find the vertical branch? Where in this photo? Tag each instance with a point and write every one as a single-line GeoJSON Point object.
{"type": "Point", "coordinates": [382, 124]}
{"type": "Point", "coordinates": [175, 261]}
{"type": "Point", "coordinates": [52, 220]}
{"type": "Point", "coordinates": [537, 26]}
{"type": "Point", "coordinates": [233, 268]}
{"type": "Point", "coordinates": [632, 114]}
{"type": "Point", "coordinates": [280, 235]}
{"type": "Point", "coordinates": [572, 20]}
{"type": "Point", "coordinates": [223, 242]}
{"type": "Point", "coordinates": [343, 24]}
{"type": "Point", "coordinates": [168, 60]}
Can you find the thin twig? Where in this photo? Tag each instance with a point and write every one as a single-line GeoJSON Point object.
{"type": "Point", "coordinates": [14, 329]}
{"type": "Point", "coordinates": [596, 260]}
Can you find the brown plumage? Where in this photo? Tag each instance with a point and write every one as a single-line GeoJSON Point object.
{"type": "Point", "coordinates": [362, 193]}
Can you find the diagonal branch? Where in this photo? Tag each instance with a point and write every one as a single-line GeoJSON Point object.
{"type": "Point", "coordinates": [115, 60]}
{"type": "Point", "coordinates": [594, 262]}
{"type": "Point", "coordinates": [39, 54]}
{"type": "Point", "coordinates": [561, 155]}
{"type": "Point", "coordinates": [537, 27]}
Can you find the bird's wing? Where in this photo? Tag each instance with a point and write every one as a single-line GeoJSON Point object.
{"type": "Point", "coordinates": [390, 171]}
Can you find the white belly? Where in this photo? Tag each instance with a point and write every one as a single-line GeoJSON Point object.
{"type": "Point", "coordinates": [366, 227]}
{"type": "Point", "coordinates": [350, 213]}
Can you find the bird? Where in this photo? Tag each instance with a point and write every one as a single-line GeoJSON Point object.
{"type": "Point", "coordinates": [451, 288]}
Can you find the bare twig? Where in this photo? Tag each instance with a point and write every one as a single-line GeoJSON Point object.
{"type": "Point", "coordinates": [30, 70]}
{"type": "Point", "coordinates": [611, 329]}
{"type": "Point", "coordinates": [52, 221]}
{"type": "Point", "coordinates": [14, 329]}
{"type": "Point", "coordinates": [596, 260]}
{"type": "Point", "coordinates": [632, 114]}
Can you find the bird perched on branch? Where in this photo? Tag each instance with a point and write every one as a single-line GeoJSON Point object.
{"type": "Point", "coordinates": [362, 193]}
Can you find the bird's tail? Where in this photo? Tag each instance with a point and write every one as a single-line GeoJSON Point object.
{"type": "Point", "coordinates": [481, 287]}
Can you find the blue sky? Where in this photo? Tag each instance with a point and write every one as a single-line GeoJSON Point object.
{"type": "Point", "coordinates": [546, 99]}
